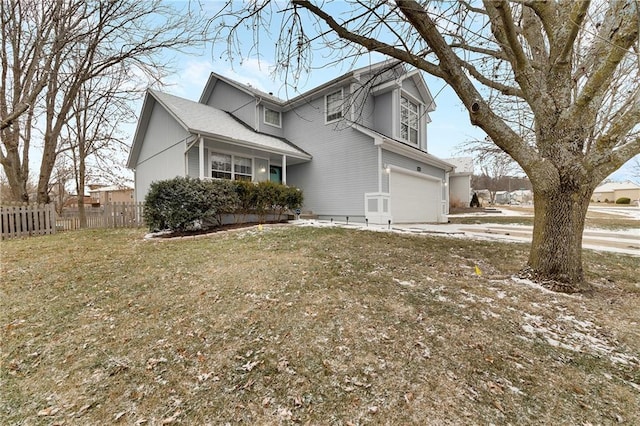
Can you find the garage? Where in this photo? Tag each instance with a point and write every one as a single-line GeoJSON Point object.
{"type": "Point", "coordinates": [415, 197]}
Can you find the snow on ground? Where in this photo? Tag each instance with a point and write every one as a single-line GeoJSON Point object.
{"type": "Point", "coordinates": [628, 212]}
{"type": "Point", "coordinates": [601, 240]}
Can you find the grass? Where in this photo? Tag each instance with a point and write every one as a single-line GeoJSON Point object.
{"type": "Point", "coordinates": [313, 326]}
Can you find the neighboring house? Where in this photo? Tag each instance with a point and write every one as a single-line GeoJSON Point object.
{"type": "Point", "coordinates": [460, 181]}
{"type": "Point", "coordinates": [356, 146]}
{"type": "Point", "coordinates": [72, 202]}
{"type": "Point", "coordinates": [101, 195]}
{"type": "Point", "coordinates": [611, 191]}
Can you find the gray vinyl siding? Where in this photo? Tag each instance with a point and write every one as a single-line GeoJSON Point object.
{"type": "Point", "coordinates": [409, 86]}
{"type": "Point", "coordinates": [343, 168]}
{"type": "Point", "coordinates": [230, 99]}
{"type": "Point", "coordinates": [398, 160]}
{"type": "Point", "coordinates": [383, 110]}
{"type": "Point", "coordinates": [193, 163]}
{"type": "Point", "coordinates": [162, 152]}
{"type": "Point", "coordinates": [363, 107]}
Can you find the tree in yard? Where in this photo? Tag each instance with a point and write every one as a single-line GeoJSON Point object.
{"type": "Point", "coordinates": [100, 107]}
{"type": "Point", "coordinates": [50, 49]}
{"type": "Point", "coordinates": [570, 67]}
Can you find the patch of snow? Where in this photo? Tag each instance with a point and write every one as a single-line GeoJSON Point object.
{"type": "Point", "coordinates": [575, 335]}
{"type": "Point", "coordinates": [405, 283]}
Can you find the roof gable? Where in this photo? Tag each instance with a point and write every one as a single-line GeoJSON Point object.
{"type": "Point", "coordinates": [246, 88]}
{"type": "Point", "coordinates": [205, 120]}
{"type": "Point", "coordinates": [357, 75]}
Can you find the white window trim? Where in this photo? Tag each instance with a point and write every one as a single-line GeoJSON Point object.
{"type": "Point", "coordinates": [326, 109]}
{"type": "Point", "coordinates": [264, 117]}
{"type": "Point", "coordinates": [410, 98]}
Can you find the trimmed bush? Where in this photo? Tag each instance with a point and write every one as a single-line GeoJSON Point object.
{"type": "Point", "coordinates": [187, 204]}
{"type": "Point", "coordinates": [276, 198]}
{"type": "Point", "coordinates": [247, 196]}
{"type": "Point", "coordinates": [623, 200]}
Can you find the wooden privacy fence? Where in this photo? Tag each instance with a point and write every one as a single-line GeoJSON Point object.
{"type": "Point", "coordinates": [113, 215]}
{"type": "Point", "coordinates": [23, 220]}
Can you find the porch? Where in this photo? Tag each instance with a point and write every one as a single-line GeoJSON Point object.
{"type": "Point", "coordinates": [213, 158]}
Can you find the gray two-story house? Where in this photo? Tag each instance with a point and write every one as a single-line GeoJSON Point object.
{"type": "Point", "coordinates": [356, 145]}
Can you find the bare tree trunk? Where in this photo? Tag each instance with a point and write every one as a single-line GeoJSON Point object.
{"type": "Point", "coordinates": [81, 182]}
{"type": "Point", "coordinates": [14, 170]}
{"type": "Point", "coordinates": [556, 253]}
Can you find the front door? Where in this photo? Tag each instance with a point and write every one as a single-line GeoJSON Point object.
{"type": "Point", "coordinates": [275, 174]}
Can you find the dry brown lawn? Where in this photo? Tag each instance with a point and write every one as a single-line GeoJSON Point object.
{"type": "Point", "coordinates": [293, 325]}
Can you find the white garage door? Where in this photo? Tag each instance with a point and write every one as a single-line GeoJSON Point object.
{"type": "Point", "coordinates": [414, 198]}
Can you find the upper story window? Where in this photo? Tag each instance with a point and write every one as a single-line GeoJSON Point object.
{"type": "Point", "coordinates": [272, 117]}
{"type": "Point", "coordinates": [333, 106]}
{"type": "Point", "coordinates": [409, 120]}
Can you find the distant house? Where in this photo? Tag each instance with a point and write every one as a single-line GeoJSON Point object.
{"type": "Point", "coordinates": [101, 195]}
{"type": "Point", "coordinates": [460, 181]}
{"type": "Point", "coordinates": [611, 191]}
{"type": "Point", "coordinates": [72, 202]}
{"type": "Point", "coordinates": [356, 145]}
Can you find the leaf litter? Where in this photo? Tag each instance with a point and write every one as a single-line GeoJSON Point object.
{"type": "Point", "coordinates": [343, 337]}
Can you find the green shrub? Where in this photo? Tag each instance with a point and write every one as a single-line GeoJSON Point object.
{"type": "Point", "coordinates": [623, 200]}
{"type": "Point", "coordinates": [247, 198]}
{"type": "Point", "coordinates": [220, 198]}
{"type": "Point", "coordinates": [185, 204]}
{"type": "Point", "coordinates": [293, 198]}
{"type": "Point", "coordinates": [276, 198]}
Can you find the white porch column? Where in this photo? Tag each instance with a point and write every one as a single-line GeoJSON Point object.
{"type": "Point", "coordinates": [380, 168]}
{"type": "Point", "coordinates": [201, 156]}
{"type": "Point", "coordinates": [284, 169]}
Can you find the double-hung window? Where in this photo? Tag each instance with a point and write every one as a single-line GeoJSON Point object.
{"type": "Point", "coordinates": [220, 166]}
{"type": "Point", "coordinates": [242, 168]}
{"type": "Point", "coordinates": [272, 117]}
{"type": "Point", "coordinates": [226, 166]}
{"type": "Point", "coordinates": [333, 106]}
{"type": "Point", "coordinates": [409, 119]}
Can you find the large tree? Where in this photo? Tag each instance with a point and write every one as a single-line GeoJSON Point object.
{"type": "Point", "coordinates": [568, 69]}
{"type": "Point", "coordinates": [50, 49]}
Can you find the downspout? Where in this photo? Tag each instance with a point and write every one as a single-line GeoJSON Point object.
{"type": "Point", "coordinates": [201, 157]}
{"type": "Point", "coordinates": [257, 114]}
